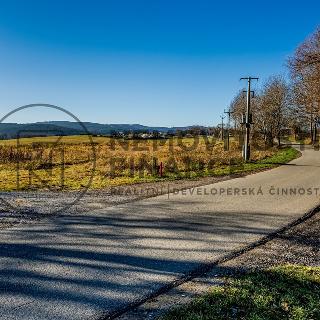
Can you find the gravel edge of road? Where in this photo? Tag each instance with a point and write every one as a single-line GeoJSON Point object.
{"type": "Point", "coordinates": [98, 199]}
{"type": "Point", "coordinates": [297, 243]}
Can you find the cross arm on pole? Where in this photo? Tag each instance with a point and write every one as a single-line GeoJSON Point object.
{"type": "Point", "coordinates": [249, 78]}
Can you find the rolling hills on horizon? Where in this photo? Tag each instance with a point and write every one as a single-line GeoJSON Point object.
{"type": "Point", "coordinates": [48, 128]}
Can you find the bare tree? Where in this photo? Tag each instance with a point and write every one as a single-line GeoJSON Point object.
{"type": "Point", "coordinates": [238, 107]}
{"type": "Point", "coordinates": [272, 111]}
{"type": "Point", "coordinates": [305, 72]}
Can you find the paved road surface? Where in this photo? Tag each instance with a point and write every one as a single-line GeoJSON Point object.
{"type": "Point", "coordinates": [81, 266]}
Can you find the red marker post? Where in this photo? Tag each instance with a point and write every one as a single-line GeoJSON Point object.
{"type": "Point", "coordinates": [161, 169]}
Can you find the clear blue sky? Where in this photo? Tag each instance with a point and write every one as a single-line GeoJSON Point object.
{"type": "Point", "coordinates": [153, 62]}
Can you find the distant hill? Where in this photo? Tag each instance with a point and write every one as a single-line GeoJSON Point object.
{"type": "Point", "coordinates": [49, 128]}
{"type": "Point", "coordinates": [14, 130]}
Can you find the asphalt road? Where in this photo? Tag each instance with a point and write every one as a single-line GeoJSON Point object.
{"type": "Point", "coordinates": [82, 266]}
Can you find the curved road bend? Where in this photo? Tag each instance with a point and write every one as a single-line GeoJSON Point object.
{"type": "Point", "coordinates": [81, 266]}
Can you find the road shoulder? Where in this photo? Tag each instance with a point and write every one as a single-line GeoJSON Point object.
{"type": "Point", "coordinates": [298, 244]}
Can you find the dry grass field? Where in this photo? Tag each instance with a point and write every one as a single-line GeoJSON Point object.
{"type": "Point", "coordinates": [74, 162]}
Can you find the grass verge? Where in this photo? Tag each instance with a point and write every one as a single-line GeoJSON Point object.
{"type": "Point", "coordinates": [282, 156]}
{"type": "Point", "coordinates": [283, 292]}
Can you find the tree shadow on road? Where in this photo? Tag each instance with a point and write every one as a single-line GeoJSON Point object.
{"type": "Point", "coordinates": [102, 261]}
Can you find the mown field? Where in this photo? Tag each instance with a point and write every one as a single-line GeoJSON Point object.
{"type": "Point", "coordinates": [76, 162]}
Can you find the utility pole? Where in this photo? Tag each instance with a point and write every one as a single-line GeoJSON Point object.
{"type": "Point", "coordinates": [248, 118]}
{"type": "Point", "coordinates": [222, 132]}
{"type": "Point", "coordinates": [229, 112]}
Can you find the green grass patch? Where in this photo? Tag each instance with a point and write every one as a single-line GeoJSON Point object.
{"type": "Point", "coordinates": [282, 156]}
{"type": "Point", "coordinates": [284, 292]}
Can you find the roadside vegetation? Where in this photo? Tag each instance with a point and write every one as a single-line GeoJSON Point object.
{"type": "Point", "coordinates": [41, 163]}
{"type": "Point", "coordinates": [282, 292]}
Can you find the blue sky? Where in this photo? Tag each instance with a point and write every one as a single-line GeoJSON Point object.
{"type": "Point", "coordinates": [153, 62]}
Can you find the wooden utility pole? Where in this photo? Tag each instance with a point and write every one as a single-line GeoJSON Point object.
{"type": "Point", "coordinates": [227, 145]}
{"type": "Point", "coordinates": [248, 120]}
{"type": "Point", "coordinates": [222, 131]}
